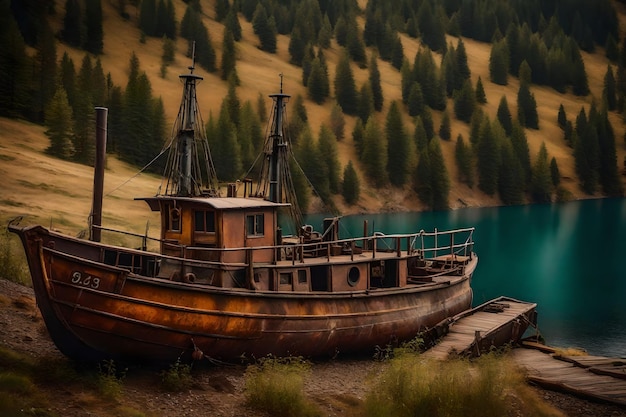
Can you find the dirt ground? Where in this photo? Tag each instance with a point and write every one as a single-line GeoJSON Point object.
{"type": "Point", "coordinates": [338, 386]}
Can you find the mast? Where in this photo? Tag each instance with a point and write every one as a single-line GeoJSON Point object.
{"type": "Point", "coordinates": [275, 181]}
{"type": "Point", "coordinates": [189, 170]}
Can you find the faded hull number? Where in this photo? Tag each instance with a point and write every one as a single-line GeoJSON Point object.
{"type": "Point", "coordinates": [90, 281]}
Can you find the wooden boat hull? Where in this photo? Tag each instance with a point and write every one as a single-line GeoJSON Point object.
{"type": "Point", "coordinates": [94, 311]}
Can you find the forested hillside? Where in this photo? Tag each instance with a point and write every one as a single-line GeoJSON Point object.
{"type": "Point", "coordinates": [409, 104]}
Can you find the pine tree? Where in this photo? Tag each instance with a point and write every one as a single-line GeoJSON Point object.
{"type": "Point", "coordinates": [520, 146]}
{"type": "Point", "coordinates": [229, 56]}
{"type": "Point", "coordinates": [148, 17]}
{"type": "Point", "coordinates": [313, 164]}
{"type": "Point", "coordinates": [609, 94]}
{"type": "Point", "coordinates": [480, 92]}
{"type": "Point", "coordinates": [562, 117]}
{"type": "Point", "coordinates": [58, 119]}
{"type": "Point", "coordinates": [14, 66]}
{"type": "Point", "coordinates": [316, 84]}
{"type": "Point", "coordinates": [499, 63]}
{"type": "Point", "coordinates": [365, 105]}
{"type": "Point", "coordinates": [296, 47]}
{"type": "Point", "coordinates": [439, 176]}
{"type": "Point", "coordinates": [420, 137]}
{"type": "Point", "coordinates": [554, 172]}
{"type": "Point", "coordinates": [93, 21]}
{"type": "Point", "coordinates": [397, 53]}
{"type": "Point", "coordinates": [345, 89]}
{"type": "Point", "coordinates": [72, 24]}
{"type": "Point", "coordinates": [337, 122]}
{"type": "Point", "coordinates": [465, 102]}
{"type": "Point", "coordinates": [327, 148]}
{"type": "Point", "coordinates": [541, 183]}
{"type": "Point", "coordinates": [84, 116]}
{"type": "Point", "coordinates": [222, 8]}
{"type": "Point", "coordinates": [609, 177]}
{"type": "Point", "coordinates": [431, 27]}
{"type": "Point", "coordinates": [357, 137]}
{"type": "Point", "coordinates": [44, 71]}
{"type": "Point", "coordinates": [375, 153]}
{"type": "Point", "coordinates": [527, 107]}
{"type": "Point", "coordinates": [374, 79]}
{"type": "Point", "coordinates": [463, 157]}
{"type": "Point", "coordinates": [422, 181]}
{"type": "Point", "coordinates": [264, 29]}
{"type": "Point", "coordinates": [228, 166]}
{"type": "Point", "coordinates": [462, 67]}
{"type": "Point", "coordinates": [504, 116]}
{"type": "Point", "coordinates": [444, 128]}
{"type": "Point", "coordinates": [415, 102]}
{"type": "Point", "coordinates": [233, 25]}
{"type": "Point", "coordinates": [488, 152]}
{"type": "Point", "coordinates": [398, 160]}
{"type": "Point", "coordinates": [350, 186]}
{"type": "Point", "coordinates": [511, 178]}
{"type": "Point", "coordinates": [249, 135]}
{"type": "Point", "coordinates": [205, 54]}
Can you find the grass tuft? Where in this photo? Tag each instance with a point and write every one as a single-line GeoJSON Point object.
{"type": "Point", "coordinates": [110, 381]}
{"type": "Point", "coordinates": [489, 386]}
{"type": "Point", "coordinates": [276, 386]}
{"type": "Point", "coordinates": [13, 265]}
{"type": "Point", "coordinates": [177, 377]}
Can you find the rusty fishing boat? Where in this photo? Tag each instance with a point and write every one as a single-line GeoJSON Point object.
{"type": "Point", "coordinates": [224, 281]}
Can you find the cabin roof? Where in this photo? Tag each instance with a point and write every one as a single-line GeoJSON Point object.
{"type": "Point", "coordinates": [217, 203]}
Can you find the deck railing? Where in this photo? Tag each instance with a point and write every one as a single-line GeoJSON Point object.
{"type": "Point", "coordinates": [425, 245]}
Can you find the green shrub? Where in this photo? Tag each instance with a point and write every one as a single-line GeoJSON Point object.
{"type": "Point", "coordinates": [109, 381]}
{"type": "Point", "coordinates": [276, 386]}
{"type": "Point", "coordinates": [12, 260]}
{"type": "Point", "coordinates": [177, 378]}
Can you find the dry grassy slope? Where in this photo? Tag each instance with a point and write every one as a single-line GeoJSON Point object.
{"type": "Point", "coordinates": [30, 177]}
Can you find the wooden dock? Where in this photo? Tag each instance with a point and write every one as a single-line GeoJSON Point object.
{"type": "Point", "coordinates": [493, 323]}
{"type": "Point", "coordinates": [592, 377]}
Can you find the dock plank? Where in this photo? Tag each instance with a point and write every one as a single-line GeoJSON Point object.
{"type": "Point", "coordinates": [488, 321]}
{"type": "Point", "coordinates": [558, 373]}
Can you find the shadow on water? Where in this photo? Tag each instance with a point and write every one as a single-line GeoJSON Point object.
{"type": "Point", "coordinates": [569, 258]}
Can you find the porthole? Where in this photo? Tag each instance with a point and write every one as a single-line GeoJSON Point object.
{"type": "Point", "coordinates": [353, 276]}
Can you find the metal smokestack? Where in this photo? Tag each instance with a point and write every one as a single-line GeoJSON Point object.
{"type": "Point", "coordinates": [98, 176]}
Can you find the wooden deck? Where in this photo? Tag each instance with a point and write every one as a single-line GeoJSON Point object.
{"type": "Point", "coordinates": [592, 377]}
{"type": "Point", "coordinates": [494, 323]}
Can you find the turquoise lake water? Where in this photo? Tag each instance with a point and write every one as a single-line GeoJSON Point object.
{"type": "Point", "coordinates": [568, 258]}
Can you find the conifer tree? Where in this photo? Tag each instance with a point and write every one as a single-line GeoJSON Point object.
{"type": "Point", "coordinates": [366, 102]}
{"type": "Point", "coordinates": [420, 137]}
{"type": "Point", "coordinates": [264, 29]}
{"type": "Point", "coordinates": [398, 156]}
{"type": "Point", "coordinates": [504, 116]}
{"type": "Point", "coordinates": [228, 166]}
{"type": "Point", "coordinates": [229, 56]}
{"type": "Point", "coordinates": [463, 157]}
{"type": "Point", "coordinates": [58, 120]}
{"type": "Point", "coordinates": [554, 172]}
{"type": "Point", "coordinates": [444, 128]}
{"type": "Point", "coordinates": [511, 178]}
{"type": "Point", "coordinates": [316, 84]}
{"type": "Point", "coordinates": [327, 148]}
{"type": "Point", "coordinates": [488, 152]}
{"type": "Point", "coordinates": [233, 25]}
{"type": "Point", "coordinates": [72, 24]}
{"type": "Point", "coordinates": [439, 176]}
{"type": "Point", "coordinates": [249, 135]}
{"type": "Point", "coordinates": [148, 17]}
{"type": "Point", "coordinates": [527, 107]}
{"type": "Point", "coordinates": [14, 66]}
{"type": "Point", "coordinates": [374, 79]}
{"type": "Point", "coordinates": [480, 92]}
{"type": "Point", "coordinates": [337, 122]}
{"type": "Point", "coordinates": [93, 27]}
{"type": "Point", "coordinates": [357, 137]}
{"type": "Point", "coordinates": [44, 71]}
{"type": "Point", "coordinates": [345, 89]}
{"type": "Point", "coordinates": [351, 188]}
{"type": "Point", "coordinates": [205, 54]}
{"type": "Point", "coordinates": [422, 182]}
{"type": "Point", "coordinates": [541, 183]}
{"type": "Point", "coordinates": [406, 81]}
{"type": "Point", "coordinates": [416, 100]}
{"type": "Point", "coordinates": [84, 116]}
{"type": "Point", "coordinates": [520, 147]}
{"type": "Point", "coordinates": [313, 164]}
{"type": "Point", "coordinates": [499, 63]}
{"type": "Point", "coordinates": [562, 117]}
{"type": "Point", "coordinates": [296, 47]}
{"type": "Point", "coordinates": [608, 174]}
{"type": "Point", "coordinates": [222, 8]}
{"type": "Point", "coordinates": [465, 102]}
{"type": "Point", "coordinates": [609, 94]}
{"type": "Point", "coordinates": [375, 153]}
{"type": "Point", "coordinates": [397, 53]}
{"type": "Point", "coordinates": [431, 27]}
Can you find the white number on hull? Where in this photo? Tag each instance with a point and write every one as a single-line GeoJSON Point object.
{"type": "Point", "coordinates": [88, 281]}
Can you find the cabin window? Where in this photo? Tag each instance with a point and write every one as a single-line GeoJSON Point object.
{"type": "Point", "coordinates": [353, 276]}
{"type": "Point", "coordinates": [301, 276]}
{"type": "Point", "coordinates": [174, 220]}
{"type": "Point", "coordinates": [204, 221]}
{"type": "Point", "coordinates": [286, 278]}
{"type": "Point", "coordinates": [255, 224]}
